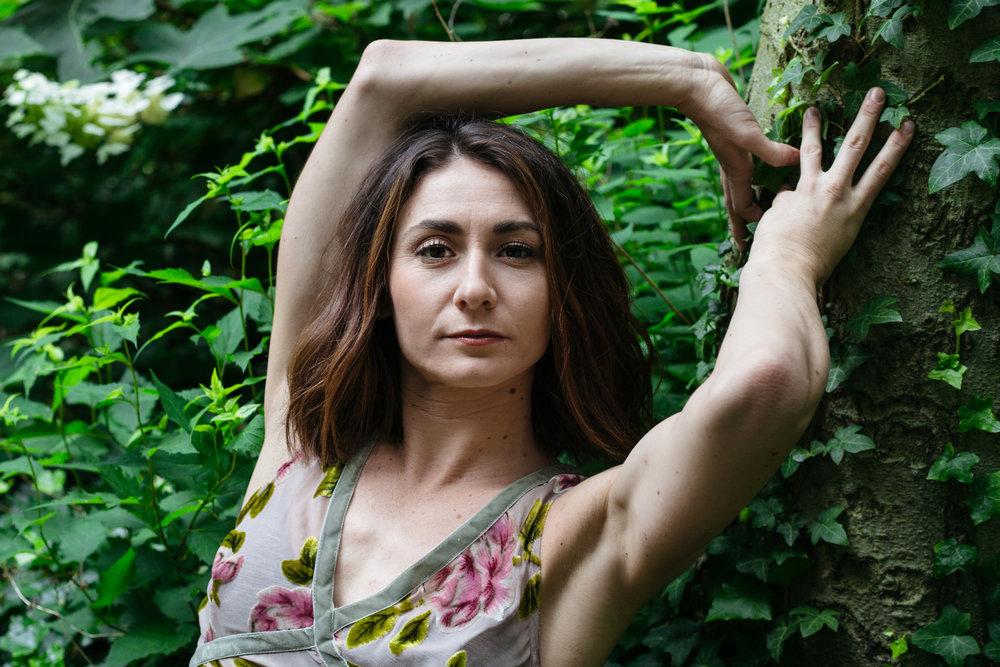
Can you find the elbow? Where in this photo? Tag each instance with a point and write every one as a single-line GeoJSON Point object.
{"type": "Point", "coordinates": [379, 67]}
{"type": "Point", "coordinates": [788, 389]}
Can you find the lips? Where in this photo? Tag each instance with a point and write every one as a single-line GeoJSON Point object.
{"type": "Point", "coordinates": [476, 333]}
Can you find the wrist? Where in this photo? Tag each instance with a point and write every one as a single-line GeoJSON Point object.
{"type": "Point", "coordinates": [701, 72]}
{"type": "Point", "coordinates": [785, 267]}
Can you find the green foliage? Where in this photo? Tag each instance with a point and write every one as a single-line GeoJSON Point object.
{"type": "Point", "coordinates": [960, 11]}
{"type": "Point", "coordinates": [981, 259]}
{"type": "Point", "coordinates": [944, 637]}
{"type": "Point", "coordinates": [969, 151]}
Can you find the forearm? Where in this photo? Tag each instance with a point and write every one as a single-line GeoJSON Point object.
{"type": "Point", "coordinates": [518, 76]}
{"type": "Point", "coordinates": [777, 319]}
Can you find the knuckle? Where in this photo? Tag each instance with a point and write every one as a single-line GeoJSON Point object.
{"type": "Point", "coordinates": [834, 188]}
{"type": "Point", "coordinates": [812, 150]}
{"type": "Point", "coordinates": [883, 169]}
{"type": "Point", "coordinates": [856, 141]}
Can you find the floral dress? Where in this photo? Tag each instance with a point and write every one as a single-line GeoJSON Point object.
{"type": "Point", "coordinates": [473, 600]}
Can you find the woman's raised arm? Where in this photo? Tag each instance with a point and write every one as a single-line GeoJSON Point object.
{"type": "Point", "coordinates": [397, 81]}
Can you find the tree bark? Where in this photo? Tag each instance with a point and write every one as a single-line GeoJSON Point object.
{"type": "Point", "coordinates": [883, 579]}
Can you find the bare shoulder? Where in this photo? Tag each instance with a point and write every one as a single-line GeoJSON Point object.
{"type": "Point", "coordinates": [585, 605]}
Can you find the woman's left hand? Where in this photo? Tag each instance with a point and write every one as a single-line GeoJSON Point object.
{"type": "Point", "coordinates": [733, 134]}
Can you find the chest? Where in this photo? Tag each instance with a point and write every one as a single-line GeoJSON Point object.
{"type": "Point", "coordinates": [384, 534]}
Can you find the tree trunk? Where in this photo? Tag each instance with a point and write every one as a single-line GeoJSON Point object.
{"type": "Point", "coordinates": [883, 580]}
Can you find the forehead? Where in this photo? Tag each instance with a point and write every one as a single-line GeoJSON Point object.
{"type": "Point", "coordinates": [467, 192]}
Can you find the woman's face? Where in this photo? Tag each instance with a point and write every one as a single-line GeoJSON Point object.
{"type": "Point", "coordinates": [466, 254]}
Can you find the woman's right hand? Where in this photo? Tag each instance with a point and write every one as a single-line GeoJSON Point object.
{"type": "Point", "coordinates": [813, 226]}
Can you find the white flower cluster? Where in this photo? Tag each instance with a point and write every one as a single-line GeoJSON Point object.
{"type": "Point", "coordinates": [76, 118]}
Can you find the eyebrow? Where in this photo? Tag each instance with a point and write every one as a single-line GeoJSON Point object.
{"type": "Point", "coordinates": [452, 227]}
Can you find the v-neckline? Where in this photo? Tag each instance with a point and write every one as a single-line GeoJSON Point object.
{"type": "Point", "coordinates": [329, 617]}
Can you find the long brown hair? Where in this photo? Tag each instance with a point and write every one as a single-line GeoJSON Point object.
{"type": "Point", "coordinates": [591, 393]}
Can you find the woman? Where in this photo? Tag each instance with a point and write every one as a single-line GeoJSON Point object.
{"type": "Point", "coordinates": [410, 521]}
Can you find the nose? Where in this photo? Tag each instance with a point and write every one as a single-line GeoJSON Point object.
{"type": "Point", "coordinates": [475, 285]}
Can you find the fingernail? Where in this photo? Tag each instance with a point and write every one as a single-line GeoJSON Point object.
{"type": "Point", "coordinates": [877, 95]}
{"type": "Point", "coordinates": [908, 127]}
{"type": "Point", "coordinates": [812, 113]}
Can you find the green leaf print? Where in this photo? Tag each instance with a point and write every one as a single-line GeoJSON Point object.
{"type": "Point", "coordinates": [215, 592]}
{"type": "Point", "coordinates": [256, 502]}
{"type": "Point", "coordinates": [329, 481]}
{"type": "Point", "coordinates": [204, 601]}
{"type": "Point", "coordinates": [530, 596]}
{"type": "Point", "coordinates": [243, 662]}
{"type": "Point", "coordinates": [372, 627]}
{"type": "Point", "coordinates": [457, 660]}
{"type": "Point", "coordinates": [234, 540]}
{"type": "Point", "coordinates": [300, 571]}
{"type": "Point", "coordinates": [531, 530]}
{"type": "Point", "coordinates": [414, 632]}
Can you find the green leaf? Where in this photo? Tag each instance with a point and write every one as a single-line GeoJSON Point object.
{"type": "Point", "coordinates": [81, 538]}
{"type": "Point", "coordinates": [968, 151]}
{"type": "Point", "coordinates": [736, 601]}
{"type": "Point", "coordinates": [977, 413]}
{"type": "Point", "coordinates": [838, 27]}
{"type": "Point", "coordinates": [944, 637]}
{"type": "Point", "coordinates": [147, 640]}
{"type": "Point", "coordinates": [983, 500]}
{"type": "Point", "coordinates": [413, 632]}
{"type": "Point", "coordinates": [965, 322]}
{"type": "Point", "coordinates": [894, 115]}
{"type": "Point", "coordinates": [214, 39]}
{"type": "Point", "coordinates": [793, 73]}
{"type": "Point", "coordinates": [372, 627]}
{"type": "Point", "coordinates": [953, 466]}
{"type": "Point", "coordinates": [677, 637]}
{"type": "Point", "coordinates": [812, 620]}
{"type": "Point", "coordinates": [114, 580]}
{"type": "Point", "coordinates": [948, 369]}
{"type": "Point", "coordinates": [987, 51]}
{"type": "Point", "coordinates": [173, 404]}
{"type": "Point", "coordinates": [843, 361]}
{"type": "Point", "coordinates": [783, 629]}
{"type": "Point", "coordinates": [808, 18]}
{"type": "Point", "coordinates": [986, 107]}
{"type": "Point", "coordinates": [257, 200]}
{"type": "Point", "coordinates": [847, 439]}
{"type": "Point", "coordinates": [892, 30]}
{"type": "Point", "coordinates": [15, 43]}
{"type": "Point", "coordinates": [250, 439]}
{"type": "Point", "coordinates": [982, 258]}
{"type": "Point", "coordinates": [105, 297]}
{"type": "Point", "coordinates": [874, 311]}
{"type": "Point", "coordinates": [882, 8]}
{"type": "Point", "coordinates": [860, 79]}
{"type": "Point", "coordinates": [826, 528]}
{"type": "Point", "coordinates": [961, 11]}
{"type": "Point", "coordinates": [950, 556]}
{"type": "Point", "coordinates": [61, 27]}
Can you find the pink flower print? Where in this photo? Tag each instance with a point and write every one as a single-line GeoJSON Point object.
{"type": "Point", "coordinates": [225, 570]}
{"type": "Point", "coordinates": [566, 481]}
{"type": "Point", "coordinates": [285, 467]}
{"type": "Point", "coordinates": [475, 582]}
{"type": "Point", "coordinates": [279, 608]}
{"type": "Point", "coordinates": [209, 635]}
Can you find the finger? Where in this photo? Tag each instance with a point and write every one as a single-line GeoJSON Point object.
{"type": "Point", "coordinates": [884, 164]}
{"type": "Point", "coordinates": [859, 135]}
{"type": "Point", "coordinates": [811, 149]}
{"type": "Point", "coordinates": [774, 153]}
{"type": "Point", "coordinates": [735, 229]}
{"type": "Point", "coordinates": [739, 188]}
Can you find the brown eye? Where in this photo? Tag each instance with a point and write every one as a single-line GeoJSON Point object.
{"type": "Point", "coordinates": [432, 246]}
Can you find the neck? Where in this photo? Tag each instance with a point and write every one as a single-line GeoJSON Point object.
{"type": "Point", "coordinates": [458, 436]}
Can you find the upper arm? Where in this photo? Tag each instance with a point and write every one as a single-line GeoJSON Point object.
{"type": "Point", "coordinates": [364, 122]}
{"type": "Point", "coordinates": [690, 475]}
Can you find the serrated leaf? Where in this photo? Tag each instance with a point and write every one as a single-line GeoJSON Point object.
{"type": "Point", "coordinates": [961, 11]}
{"type": "Point", "coordinates": [983, 500]}
{"type": "Point", "coordinates": [739, 602]}
{"type": "Point", "coordinates": [214, 39]}
{"type": "Point", "coordinates": [950, 556]}
{"type": "Point", "coordinates": [987, 51]}
{"type": "Point", "coordinates": [145, 640]}
{"type": "Point", "coordinates": [944, 637]}
{"type": "Point", "coordinates": [173, 404]}
{"type": "Point", "coordinates": [114, 580]}
{"type": "Point", "coordinates": [968, 151]}
{"type": "Point", "coordinates": [250, 439]}
{"type": "Point", "coordinates": [977, 414]}
{"type": "Point", "coordinates": [874, 311]}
